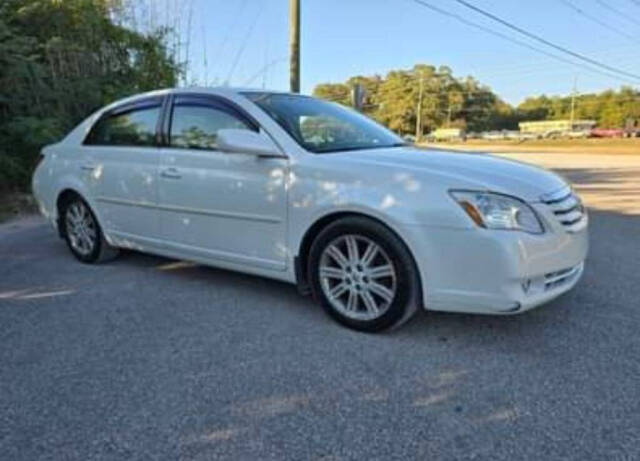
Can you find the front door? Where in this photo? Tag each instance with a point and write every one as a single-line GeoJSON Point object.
{"type": "Point", "coordinates": [221, 206]}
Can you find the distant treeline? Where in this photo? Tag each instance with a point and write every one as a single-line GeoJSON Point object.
{"type": "Point", "coordinates": [61, 60]}
{"type": "Point", "coordinates": [611, 109]}
{"type": "Point", "coordinates": [466, 103]}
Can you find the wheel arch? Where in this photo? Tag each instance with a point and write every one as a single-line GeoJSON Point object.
{"type": "Point", "coordinates": [64, 196]}
{"type": "Point", "coordinates": [301, 259]}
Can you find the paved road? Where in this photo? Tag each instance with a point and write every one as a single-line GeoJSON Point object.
{"type": "Point", "coordinates": [148, 358]}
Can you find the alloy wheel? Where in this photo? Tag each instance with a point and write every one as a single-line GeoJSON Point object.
{"type": "Point", "coordinates": [81, 228]}
{"type": "Point", "coordinates": [357, 277]}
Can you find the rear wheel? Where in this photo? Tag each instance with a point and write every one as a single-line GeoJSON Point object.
{"type": "Point", "coordinates": [83, 233]}
{"type": "Point", "coordinates": [363, 274]}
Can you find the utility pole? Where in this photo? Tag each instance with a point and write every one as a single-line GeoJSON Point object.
{"type": "Point", "coordinates": [573, 100]}
{"type": "Point", "coordinates": [294, 29]}
{"type": "Point", "coordinates": [419, 110]}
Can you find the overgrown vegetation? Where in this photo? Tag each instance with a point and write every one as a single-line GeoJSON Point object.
{"type": "Point", "coordinates": [446, 100]}
{"type": "Point", "coordinates": [59, 61]}
{"type": "Point", "coordinates": [466, 103]}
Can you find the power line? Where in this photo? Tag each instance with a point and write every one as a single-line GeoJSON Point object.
{"type": "Point", "coordinates": [535, 67]}
{"type": "Point", "coordinates": [545, 41]}
{"type": "Point", "coordinates": [205, 61]}
{"type": "Point", "coordinates": [262, 71]}
{"type": "Point", "coordinates": [243, 44]}
{"type": "Point", "coordinates": [227, 35]}
{"type": "Point", "coordinates": [618, 12]}
{"type": "Point", "coordinates": [513, 40]}
{"type": "Point", "coordinates": [619, 54]}
{"type": "Point", "coordinates": [596, 20]}
{"type": "Point", "coordinates": [538, 68]}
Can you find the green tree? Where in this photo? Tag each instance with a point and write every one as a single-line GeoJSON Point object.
{"type": "Point", "coordinates": [61, 60]}
{"type": "Point", "coordinates": [610, 109]}
{"type": "Point", "coordinates": [446, 100]}
{"type": "Point", "coordinates": [335, 92]}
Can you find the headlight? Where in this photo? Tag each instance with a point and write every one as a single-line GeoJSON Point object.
{"type": "Point", "coordinates": [497, 211]}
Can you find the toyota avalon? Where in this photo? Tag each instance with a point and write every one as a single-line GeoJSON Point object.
{"type": "Point", "coordinates": [307, 191]}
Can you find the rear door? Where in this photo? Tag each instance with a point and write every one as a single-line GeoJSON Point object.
{"type": "Point", "coordinates": [217, 205]}
{"type": "Point", "coordinates": [121, 165]}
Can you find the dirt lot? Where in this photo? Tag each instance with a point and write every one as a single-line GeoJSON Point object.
{"type": "Point", "coordinates": [605, 182]}
{"type": "Point", "coordinates": [581, 146]}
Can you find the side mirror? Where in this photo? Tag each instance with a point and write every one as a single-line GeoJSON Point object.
{"type": "Point", "coordinates": [247, 142]}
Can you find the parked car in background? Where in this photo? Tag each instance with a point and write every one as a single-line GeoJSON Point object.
{"type": "Point", "coordinates": [632, 128]}
{"type": "Point", "coordinates": [528, 136]}
{"type": "Point", "coordinates": [493, 135]}
{"type": "Point", "coordinates": [447, 134]}
{"type": "Point", "coordinates": [511, 134]}
{"type": "Point", "coordinates": [553, 134]}
{"type": "Point", "coordinates": [312, 193]}
{"type": "Point", "coordinates": [607, 133]}
{"type": "Point", "coordinates": [578, 134]}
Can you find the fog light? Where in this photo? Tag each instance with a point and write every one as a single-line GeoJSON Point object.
{"type": "Point", "coordinates": [526, 284]}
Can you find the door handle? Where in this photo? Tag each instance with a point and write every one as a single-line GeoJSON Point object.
{"type": "Point", "coordinates": [171, 173]}
{"type": "Point", "coordinates": [88, 167]}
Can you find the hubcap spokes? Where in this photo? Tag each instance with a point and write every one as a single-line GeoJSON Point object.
{"type": "Point", "coordinates": [81, 228]}
{"type": "Point", "coordinates": [357, 277]}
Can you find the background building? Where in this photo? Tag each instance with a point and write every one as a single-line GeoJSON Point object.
{"type": "Point", "coordinates": [547, 126]}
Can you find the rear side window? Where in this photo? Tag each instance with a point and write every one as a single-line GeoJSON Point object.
{"type": "Point", "coordinates": [135, 126]}
{"type": "Point", "coordinates": [195, 124]}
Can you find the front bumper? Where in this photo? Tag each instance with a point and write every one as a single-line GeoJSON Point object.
{"type": "Point", "coordinates": [496, 272]}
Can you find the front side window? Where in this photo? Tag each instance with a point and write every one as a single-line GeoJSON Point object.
{"type": "Point", "coordinates": [196, 126]}
{"type": "Point", "coordinates": [135, 127]}
{"type": "Point", "coordinates": [321, 126]}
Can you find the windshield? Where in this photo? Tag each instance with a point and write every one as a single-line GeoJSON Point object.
{"type": "Point", "coordinates": [323, 127]}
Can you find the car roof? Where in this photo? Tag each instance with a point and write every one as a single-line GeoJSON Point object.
{"type": "Point", "coordinates": [224, 90]}
{"type": "Point", "coordinates": [218, 91]}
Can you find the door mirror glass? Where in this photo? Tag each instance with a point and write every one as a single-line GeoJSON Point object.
{"type": "Point", "coordinates": [247, 142]}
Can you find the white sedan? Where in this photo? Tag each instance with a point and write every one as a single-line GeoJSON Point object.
{"type": "Point", "coordinates": [309, 192]}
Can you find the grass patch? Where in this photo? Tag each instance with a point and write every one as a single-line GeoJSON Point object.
{"type": "Point", "coordinates": [14, 204]}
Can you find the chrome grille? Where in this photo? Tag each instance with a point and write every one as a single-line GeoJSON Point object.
{"type": "Point", "coordinates": [567, 208]}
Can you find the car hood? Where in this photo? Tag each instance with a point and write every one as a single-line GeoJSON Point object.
{"type": "Point", "coordinates": [462, 170]}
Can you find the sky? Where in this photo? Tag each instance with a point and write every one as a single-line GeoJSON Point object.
{"type": "Point", "coordinates": [246, 42]}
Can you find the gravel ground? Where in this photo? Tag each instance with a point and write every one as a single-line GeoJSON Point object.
{"type": "Point", "coordinates": [149, 358]}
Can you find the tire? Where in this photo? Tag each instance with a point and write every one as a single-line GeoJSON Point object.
{"type": "Point", "coordinates": [349, 287]}
{"type": "Point", "coordinates": [86, 241]}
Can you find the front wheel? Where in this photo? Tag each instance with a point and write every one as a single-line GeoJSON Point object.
{"type": "Point", "coordinates": [363, 274]}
